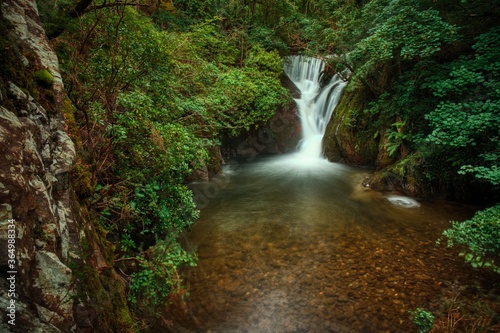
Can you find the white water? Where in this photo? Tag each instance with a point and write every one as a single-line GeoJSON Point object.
{"type": "Point", "coordinates": [316, 103]}
{"type": "Point", "coordinates": [403, 201]}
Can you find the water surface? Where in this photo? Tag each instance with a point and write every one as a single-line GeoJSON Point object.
{"type": "Point", "coordinates": [289, 244]}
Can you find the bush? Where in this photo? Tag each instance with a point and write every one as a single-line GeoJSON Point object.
{"type": "Point", "coordinates": [159, 277]}
{"type": "Point", "coordinates": [480, 236]}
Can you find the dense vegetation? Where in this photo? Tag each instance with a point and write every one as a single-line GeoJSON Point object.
{"type": "Point", "coordinates": [155, 85]}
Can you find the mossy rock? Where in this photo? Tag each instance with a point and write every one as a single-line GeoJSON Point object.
{"type": "Point", "coordinates": [102, 292]}
{"type": "Point", "coordinates": [350, 136]}
{"type": "Point", "coordinates": [407, 176]}
{"type": "Point", "coordinates": [81, 178]}
{"type": "Point", "coordinates": [43, 78]}
{"type": "Point", "coordinates": [72, 125]}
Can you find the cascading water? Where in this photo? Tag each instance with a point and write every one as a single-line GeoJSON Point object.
{"type": "Point", "coordinates": [316, 103]}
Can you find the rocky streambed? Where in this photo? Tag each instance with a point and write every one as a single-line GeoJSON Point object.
{"type": "Point", "coordinates": [268, 262]}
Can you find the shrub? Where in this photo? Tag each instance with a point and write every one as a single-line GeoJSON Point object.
{"type": "Point", "coordinates": [159, 277]}
{"type": "Point", "coordinates": [480, 236]}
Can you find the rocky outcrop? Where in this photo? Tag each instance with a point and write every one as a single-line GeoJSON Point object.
{"type": "Point", "coordinates": [37, 157]}
{"type": "Point", "coordinates": [281, 134]}
{"type": "Point", "coordinates": [352, 138]}
{"type": "Point", "coordinates": [349, 138]}
{"type": "Point", "coordinates": [35, 189]}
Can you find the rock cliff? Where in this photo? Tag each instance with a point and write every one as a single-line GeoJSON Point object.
{"type": "Point", "coordinates": [36, 198]}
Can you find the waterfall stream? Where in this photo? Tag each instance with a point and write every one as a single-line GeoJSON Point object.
{"type": "Point", "coordinates": [316, 103]}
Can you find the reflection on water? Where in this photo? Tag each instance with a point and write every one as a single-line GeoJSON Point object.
{"type": "Point", "coordinates": [285, 247]}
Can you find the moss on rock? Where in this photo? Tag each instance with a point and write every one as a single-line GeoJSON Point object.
{"type": "Point", "coordinates": [349, 136]}
{"type": "Point", "coordinates": [81, 179]}
{"type": "Point", "coordinates": [102, 289]}
{"type": "Point", "coordinates": [43, 78]}
{"type": "Point", "coordinates": [406, 176]}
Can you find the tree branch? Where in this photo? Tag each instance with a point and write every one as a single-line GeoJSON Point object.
{"type": "Point", "coordinates": [80, 8]}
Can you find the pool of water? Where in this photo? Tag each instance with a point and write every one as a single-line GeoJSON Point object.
{"type": "Point", "coordinates": [288, 244]}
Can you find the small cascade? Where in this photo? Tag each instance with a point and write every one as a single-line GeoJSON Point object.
{"type": "Point", "coordinates": [316, 103]}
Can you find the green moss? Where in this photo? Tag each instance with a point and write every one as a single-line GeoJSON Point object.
{"type": "Point", "coordinates": [407, 176]}
{"type": "Point", "coordinates": [113, 292]}
{"type": "Point", "coordinates": [81, 179]}
{"type": "Point", "coordinates": [400, 167]}
{"type": "Point", "coordinates": [71, 124]}
{"type": "Point", "coordinates": [43, 78]}
{"type": "Point", "coordinates": [350, 135]}
{"type": "Point", "coordinates": [105, 292]}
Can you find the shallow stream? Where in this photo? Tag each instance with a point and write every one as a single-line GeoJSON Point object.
{"type": "Point", "coordinates": [291, 245]}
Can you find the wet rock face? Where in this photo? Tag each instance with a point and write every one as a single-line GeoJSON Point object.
{"type": "Point", "coordinates": [36, 157]}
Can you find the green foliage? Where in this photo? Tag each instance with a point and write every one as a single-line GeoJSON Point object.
{"type": "Point", "coordinates": [268, 37]}
{"type": "Point", "coordinates": [423, 319]}
{"type": "Point", "coordinates": [159, 277]}
{"type": "Point", "coordinates": [210, 42]}
{"type": "Point", "coordinates": [399, 112]}
{"type": "Point", "coordinates": [194, 11]}
{"type": "Point", "coordinates": [402, 31]}
{"type": "Point", "coordinates": [468, 116]}
{"type": "Point", "coordinates": [410, 30]}
{"type": "Point", "coordinates": [153, 157]}
{"type": "Point", "coordinates": [480, 236]}
{"type": "Point", "coordinates": [241, 98]}
{"type": "Point", "coordinates": [490, 173]}
{"type": "Point", "coordinates": [268, 63]}
{"type": "Point", "coordinates": [395, 138]}
{"type": "Point", "coordinates": [150, 104]}
{"type": "Point", "coordinates": [463, 124]}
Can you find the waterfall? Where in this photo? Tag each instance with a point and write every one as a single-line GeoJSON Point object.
{"type": "Point", "coordinates": [316, 103]}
